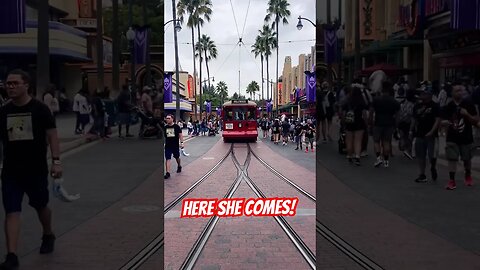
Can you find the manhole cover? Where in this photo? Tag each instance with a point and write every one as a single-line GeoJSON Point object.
{"type": "Point", "coordinates": [141, 208]}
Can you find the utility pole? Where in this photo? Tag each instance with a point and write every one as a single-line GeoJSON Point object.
{"type": "Point", "coordinates": [43, 55]}
{"type": "Point", "coordinates": [100, 72]}
{"type": "Point", "coordinates": [329, 23]}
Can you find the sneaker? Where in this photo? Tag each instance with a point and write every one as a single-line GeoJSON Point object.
{"type": "Point", "coordinates": [10, 263]}
{"type": "Point", "coordinates": [451, 185]}
{"type": "Point", "coordinates": [364, 154]}
{"type": "Point", "coordinates": [468, 181]}
{"type": "Point", "coordinates": [378, 162]}
{"type": "Point", "coordinates": [179, 169]}
{"type": "Point", "coordinates": [296, 148]}
{"type": "Point", "coordinates": [421, 179]}
{"type": "Point", "coordinates": [357, 161]}
{"type": "Point", "coordinates": [167, 175]}
{"type": "Point", "coordinates": [306, 150]}
{"type": "Point", "coordinates": [434, 174]}
{"type": "Point", "coordinates": [385, 164]}
{"type": "Point", "coordinates": [48, 244]}
{"type": "Point", "coordinates": [406, 154]}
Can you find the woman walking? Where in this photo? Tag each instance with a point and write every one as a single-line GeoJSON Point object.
{"type": "Point", "coordinates": [353, 115]}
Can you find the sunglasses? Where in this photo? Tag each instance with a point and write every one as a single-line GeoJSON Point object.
{"type": "Point", "coordinates": [12, 84]}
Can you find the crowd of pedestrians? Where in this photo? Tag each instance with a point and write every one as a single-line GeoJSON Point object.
{"type": "Point", "coordinates": [285, 129]}
{"type": "Point", "coordinates": [415, 117]}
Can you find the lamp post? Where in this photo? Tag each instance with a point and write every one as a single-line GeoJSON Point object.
{"type": "Point", "coordinates": [300, 25]}
{"type": "Point", "coordinates": [177, 76]}
{"type": "Point", "coordinates": [341, 38]}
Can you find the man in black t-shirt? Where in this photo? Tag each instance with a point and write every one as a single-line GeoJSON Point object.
{"type": "Point", "coordinates": [298, 134]}
{"type": "Point", "coordinates": [385, 109]}
{"type": "Point", "coordinates": [424, 127]}
{"type": "Point", "coordinates": [309, 129]}
{"type": "Point", "coordinates": [26, 126]}
{"type": "Point", "coordinates": [459, 115]}
{"type": "Point", "coordinates": [173, 135]}
{"type": "Point", "coordinates": [124, 110]}
{"type": "Point", "coordinates": [285, 131]}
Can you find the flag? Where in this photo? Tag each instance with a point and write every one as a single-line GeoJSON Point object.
{"type": "Point", "coordinates": [465, 15]}
{"type": "Point", "coordinates": [167, 84]}
{"type": "Point", "coordinates": [311, 86]}
{"type": "Point", "coordinates": [141, 43]}
{"type": "Point", "coordinates": [219, 111]}
{"type": "Point", "coordinates": [269, 106]}
{"type": "Point", "coordinates": [12, 16]}
{"type": "Point", "coordinates": [330, 45]}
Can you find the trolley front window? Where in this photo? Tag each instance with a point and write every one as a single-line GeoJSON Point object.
{"type": "Point", "coordinates": [240, 113]}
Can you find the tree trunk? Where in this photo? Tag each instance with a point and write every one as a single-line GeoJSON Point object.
{"type": "Point", "coordinates": [43, 56]}
{"type": "Point", "coordinates": [276, 79]}
{"type": "Point", "coordinates": [261, 59]}
{"type": "Point", "coordinates": [100, 74]}
{"type": "Point", "coordinates": [200, 73]}
{"type": "Point", "coordinates": [268, 80]}
{"type": "Point", "coordinates": [115, 49]}
{"type": "Point", "coordinates": [194, 72]}
{"type": "Point", "coordinates": [208, 70]}
{"type": "Point", "coordinates": [357, 37]}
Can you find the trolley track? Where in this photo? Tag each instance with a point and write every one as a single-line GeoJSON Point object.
{"type": "Point", "coordinates": [242, 170]}
{"type": "Point", "coordinates": [158, 242]}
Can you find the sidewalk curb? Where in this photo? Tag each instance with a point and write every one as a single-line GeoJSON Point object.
{"type": "Point", "coordinates": [68, 146]}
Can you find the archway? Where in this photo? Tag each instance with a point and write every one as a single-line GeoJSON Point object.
{"type": "Point", "coordinates": [156, 75]}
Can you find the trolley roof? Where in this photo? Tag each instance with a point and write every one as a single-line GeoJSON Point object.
{"type": "Point", "coordinates": [237, 103]}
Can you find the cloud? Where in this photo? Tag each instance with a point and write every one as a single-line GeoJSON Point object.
{"type": "Point", "coordinates": [223, 30]}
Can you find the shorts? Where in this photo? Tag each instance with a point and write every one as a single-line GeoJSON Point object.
{"type": "Point", "coordinates": [424, 146]}
{"type": "Point", "coordinates": [383, 134]}
{"type": "Point", "coordinates": [169, 152]}
{"type": "Point", "coordinates": [285, 134]}
{"type": "Point", "coordinates": [309, 140]}
{"type": "Point", "coordinates": [13, 191]}
{"type": "Point", "coordinates": [454, 151]}
{"type": "Point", "coordinates": [124, 118]}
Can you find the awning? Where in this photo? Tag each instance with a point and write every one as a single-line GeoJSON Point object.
{"type": "Point", "coordinates": [384, 46]}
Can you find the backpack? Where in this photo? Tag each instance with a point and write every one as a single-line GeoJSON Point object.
{"type": "Point", "coordinates": [350, 116]}
{"type": "Point", "coordinates": [406, 112]}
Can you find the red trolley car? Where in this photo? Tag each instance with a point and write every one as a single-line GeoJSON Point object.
{"type": "Point", "coordinates": [239, 119]}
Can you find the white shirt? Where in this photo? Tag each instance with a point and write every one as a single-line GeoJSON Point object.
{"type": "Point", "coordinates": [80, 104]}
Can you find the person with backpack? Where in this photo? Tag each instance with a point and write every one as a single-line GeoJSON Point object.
{"type": "Point", "coordinates": [367, 100]}
{"type": "Point", "coordinates": [353, 116]}
{"type": "Point", "coordinates": [264, 126]}
{"type": "Point", "coordinates": [124, 112]}
{"type": "Point", "coordinates": [404, 123]}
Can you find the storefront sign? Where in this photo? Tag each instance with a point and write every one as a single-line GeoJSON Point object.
{"type": "Point", "coordinates": [85, 9]}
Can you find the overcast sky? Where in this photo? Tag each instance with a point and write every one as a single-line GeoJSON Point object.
{"type": "Point", "coordinates": [223, 31]}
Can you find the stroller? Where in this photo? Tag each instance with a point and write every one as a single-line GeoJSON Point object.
{"type": "Point", "coordinates": [342, 145]}
{"type": "Point", "coordinates": [151, 125]}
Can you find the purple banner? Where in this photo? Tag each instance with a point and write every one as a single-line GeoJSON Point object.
{"type": "Point", "coordinates": [167, 84]}
{"type": "Point", "coordinates": [311, 82]}
{"type": "Point", "coordinates": [465, 15]}
{"type": "Point", "coordinates": [208, 106]}
{"type": "Point", "coordinates": [219, 110]}
{"type": "Point", "coordinates": [12, 16]}
{"type": "Point", "coordinates": [141, 43]}
{"type": "Point", "coordinates": [269, 106]}
{"type": "Point", "coordinates": [330, 45]}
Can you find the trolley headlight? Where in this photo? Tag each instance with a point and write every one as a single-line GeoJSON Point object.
{"type": "Point", "coordinates": [240, 125]}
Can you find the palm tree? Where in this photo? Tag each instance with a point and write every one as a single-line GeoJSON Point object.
{"type": "Point", "coordinates": [198, 10]}
{"type": "Point", "coordinates": [277, 10]}
{"type": "Point", "coordinates": [252, 88]}
{"type": "Point", "coordinates": [210, 51]}
{"type": "Point", "coordinates": [115, 48]}
{"type": "Point", "coordinates": [222, 91]}
{"type": "Point", "coordinates": [258, 50]}
{"type": "Point", "coordinates": [267, 36]}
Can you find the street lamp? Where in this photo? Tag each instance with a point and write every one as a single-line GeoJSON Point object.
{"type": "Point", "coordinates": [131, 37]}
{"type": "Point", "coordinates": [177, 26]}
{"type": "Point", "coordinates": [300, 25]}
